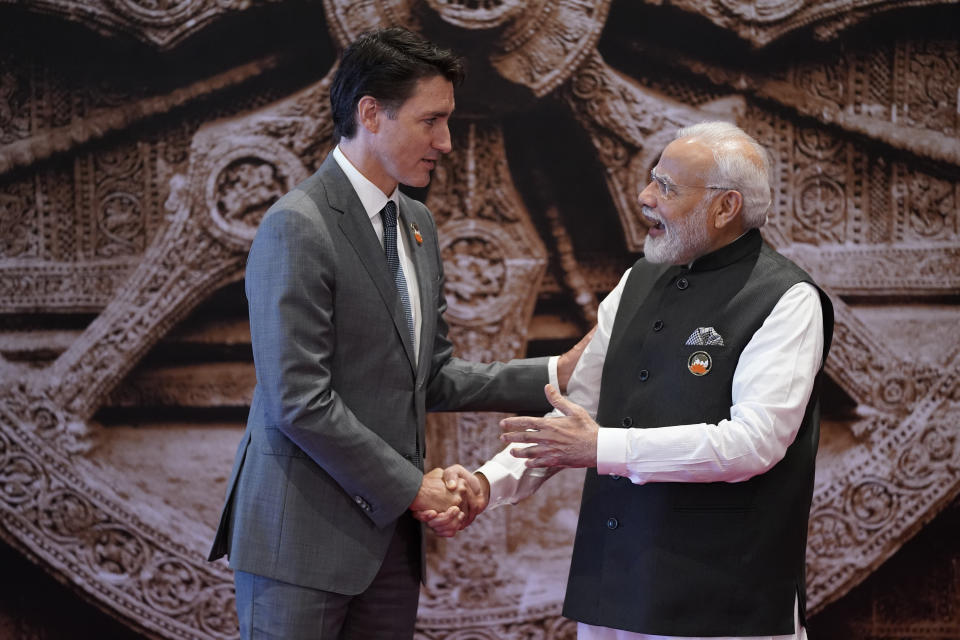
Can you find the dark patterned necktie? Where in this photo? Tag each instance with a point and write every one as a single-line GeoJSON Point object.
{"type": "Point", "coordinates": [389, 214]}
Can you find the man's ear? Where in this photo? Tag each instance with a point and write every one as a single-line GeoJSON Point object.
{"type": "Point", "coordinates": [729, 208]}
{"type": "Point", "coordinates": [368, 111]}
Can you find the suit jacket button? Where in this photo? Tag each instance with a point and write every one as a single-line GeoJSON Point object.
{"type": "Point", "coordinates": [644, 374]}
{"type": "Point", "coordinates": [612, 523]}
{"type": "Point", "coordinates": [682, 284]}
{"type": "Point", "coordinates": [614, 476]}
{"type": "Point", "coordinates": [658, 325]}
{"type": "Point", "coordinates": [627, 422]}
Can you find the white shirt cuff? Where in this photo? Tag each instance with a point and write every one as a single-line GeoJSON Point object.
{"type": "Point", "coordinates": [612, 451]}
{"type": "Point", "coordinates": [552, 371]}
{"type": "Point", "coordinates": [503, 472]}
{"type": "Point", "coordinates": [510, 479]}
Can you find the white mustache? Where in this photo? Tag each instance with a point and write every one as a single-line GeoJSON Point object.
{"type": "Point", "coordinates": [646, 211]}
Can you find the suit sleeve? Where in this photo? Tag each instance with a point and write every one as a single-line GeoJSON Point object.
{"type": "Point", "coordinates": [460, 385]}
{"type": "Point", "coordinates": [290, 282]}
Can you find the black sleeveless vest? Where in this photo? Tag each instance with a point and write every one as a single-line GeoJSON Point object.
{"type": "Point", "coordinates": [694, 559]}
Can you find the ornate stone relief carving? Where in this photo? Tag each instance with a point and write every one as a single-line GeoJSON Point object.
{"type": "Point", "coordinates": [162, 24]}
{"type": "Point", "coordinates": [763, 21]}
{"type": "Point", "coordinates": [141, 232]}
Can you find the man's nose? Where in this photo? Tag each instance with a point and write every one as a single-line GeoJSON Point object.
{"type": "Point", "coordinates": [442, 142]}
{"type": "Point", "coordinates": [648, 195]}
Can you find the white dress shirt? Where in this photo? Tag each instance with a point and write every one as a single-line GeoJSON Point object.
{"type": "Point", "coordinates": [772, 383]}
{"type": "Point", "coordinates": [373, 201]}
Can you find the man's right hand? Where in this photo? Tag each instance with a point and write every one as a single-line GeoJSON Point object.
{"type": "Point", "coordinates": [436, 495]}
{"type": "Point", "coordinates": [474, 492]}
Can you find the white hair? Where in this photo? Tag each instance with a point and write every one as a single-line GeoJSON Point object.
{"type": "Point", "coordinates": [740, 163]}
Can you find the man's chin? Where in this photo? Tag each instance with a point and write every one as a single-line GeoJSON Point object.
{"type": "Point", "coordinates": [418, 181]}
{"type": "Point", "coordinates": [654, 251]}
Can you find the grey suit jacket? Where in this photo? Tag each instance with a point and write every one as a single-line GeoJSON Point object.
{"type": "Point", "coordinates": [328, 461]}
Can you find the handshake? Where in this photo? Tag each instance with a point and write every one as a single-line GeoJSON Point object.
{"type": "Point", "coordinates": [449, 499]}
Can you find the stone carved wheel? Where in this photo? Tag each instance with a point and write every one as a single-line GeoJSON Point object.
{"type": "Point", "coordinates": [122, 213]}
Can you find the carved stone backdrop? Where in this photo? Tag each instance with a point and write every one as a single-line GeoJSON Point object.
{"type": "Point", "coordinates": [141, 142]}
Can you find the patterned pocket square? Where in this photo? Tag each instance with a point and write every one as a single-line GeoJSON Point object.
{"type": "Point", "coordinates": [703, 336]}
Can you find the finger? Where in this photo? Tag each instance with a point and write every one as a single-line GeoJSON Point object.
{"type": "Point", "coordinates": [449, 518]}
{"type": "Point", "coordinates": [529, 437]}
{"type": "Point", "coordinates": [536, 451]}
{"type": "Point", "coordinates": [587, 338]}
{"type": "Point", "coordinates": [474, 486]}
{"type": "Point", "coordinates": [450, 476]}
{"type": "Point", "coordinates": [425, 516]}
{"type": "Point", "coordinates": [445, 519]}
{"type": "Point", "coordinates": [540, 463]}
{"type": "Point", "coordinates": [476, 502]}
{"type": "Point", "coordinates": [520, 423]}
{"type": "Point", "coordinates": [446, 528]}
{"type": "Point", "coordinates": [466, 506]}
{"type": "Point", "coordinates": [561, 404]}
{"type": "Point", "coordinates": [470, 517]}
{"type": "Point", "coordinates": [452, 483]}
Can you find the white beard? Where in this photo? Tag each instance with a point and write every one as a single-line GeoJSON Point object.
{"type": "Point", "coordinates": [682, 241]}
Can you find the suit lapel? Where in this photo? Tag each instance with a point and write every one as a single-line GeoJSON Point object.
{"type": "Point", "coordinates": [357, 229]}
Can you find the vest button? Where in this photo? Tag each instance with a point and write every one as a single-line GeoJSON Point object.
{"type": "Point", "coordinates": [612, 523]}
{"type": "Point", "coordinates": [627, 422]}
{"type": "Point", "coordinates": [644, 374]}
{"type": "Point", "coordinates": [658, 325]}
{"type": "Point", "coordinates": [682, 284]}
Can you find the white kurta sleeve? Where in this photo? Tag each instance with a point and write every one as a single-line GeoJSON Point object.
{"type": "Point", "coordinates": [771, 387]}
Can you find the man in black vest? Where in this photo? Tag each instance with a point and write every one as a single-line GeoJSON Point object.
{"type": "Point", "coordinates": [701, 376]}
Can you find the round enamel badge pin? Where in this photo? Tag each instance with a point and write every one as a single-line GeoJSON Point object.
{"type": "Point", "coordinates": [699, 363]}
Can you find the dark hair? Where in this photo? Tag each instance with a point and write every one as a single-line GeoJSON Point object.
{"type": "Point", "coordinates": [386, 64]}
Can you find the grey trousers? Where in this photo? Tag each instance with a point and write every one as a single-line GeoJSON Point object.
{"type": "Point", "coordinates": [269, 609]}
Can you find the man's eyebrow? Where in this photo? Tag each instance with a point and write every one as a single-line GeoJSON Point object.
{"type": "Point", "coordinates": [665, 176]}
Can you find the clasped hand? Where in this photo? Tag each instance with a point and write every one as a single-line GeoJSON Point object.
{"type": "Point", "coordinates": [450, 499]}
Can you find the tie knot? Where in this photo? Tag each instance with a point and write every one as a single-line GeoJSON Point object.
{"type": "Point", "coordinates": [390, 214]}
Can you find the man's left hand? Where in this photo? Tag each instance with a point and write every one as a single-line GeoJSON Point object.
{"type": "Point", "coordinates": [566, 441]}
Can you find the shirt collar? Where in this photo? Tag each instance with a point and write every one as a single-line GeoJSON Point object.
{"type": "Point", "coordinates": [370, 195]}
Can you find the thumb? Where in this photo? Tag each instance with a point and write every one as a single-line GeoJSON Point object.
{"type": "Point", "coordinates": [556, 399]}
{"type": "Point", "coordinates": [451, 478]}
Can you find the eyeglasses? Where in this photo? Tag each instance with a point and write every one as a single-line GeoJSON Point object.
{"type": "Point", "coordinates": [669, 189]}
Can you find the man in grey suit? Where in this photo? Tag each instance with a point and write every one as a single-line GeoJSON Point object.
{"type": "Point", "coordinates": [345, 290]}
